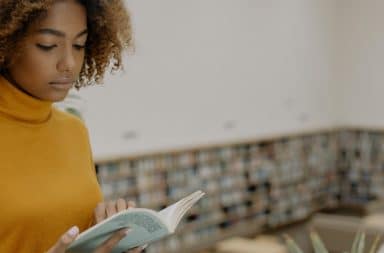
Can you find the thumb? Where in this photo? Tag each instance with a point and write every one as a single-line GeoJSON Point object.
{"type": "Point", "coordinates": [64, 241]}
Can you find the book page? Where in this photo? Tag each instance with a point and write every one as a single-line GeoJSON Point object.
{"type": "Point", "coordinates": [174, 213]}
{"type": "Point", "coordinates": [168, 213]}
{"type": "Point", "coordinates": [146, 227]}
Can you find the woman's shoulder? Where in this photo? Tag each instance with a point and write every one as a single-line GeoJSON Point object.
{"type": "Point", "coordinates": [68, 120]}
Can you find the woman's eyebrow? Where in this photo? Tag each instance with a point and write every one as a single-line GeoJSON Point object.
{"type": "Point", "coordinates": [59, 33]}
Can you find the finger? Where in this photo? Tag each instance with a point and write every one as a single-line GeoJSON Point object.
{"type": "Point", "coordinates": [108, 245]}
{"type": "Point", "coordinates": [131, 204]}
{"type": "Point", "coordinates": [121, 205]}
{"type": "Point", "coordinates": [64, 241]}
{"type": "Point", "coordinates": [111, 208]}
{"type": "Point", "coordinates": [99, 212]}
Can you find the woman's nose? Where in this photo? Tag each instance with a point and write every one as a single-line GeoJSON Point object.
{"type": "Point", "coordinates": [67, 63]}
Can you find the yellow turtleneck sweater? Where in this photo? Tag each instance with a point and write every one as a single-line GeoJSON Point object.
{"type": "Point", "coordinates": [47, 178]}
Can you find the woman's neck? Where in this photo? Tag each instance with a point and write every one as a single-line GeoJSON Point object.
{"type": "Point", "coordinates": [7, 75]}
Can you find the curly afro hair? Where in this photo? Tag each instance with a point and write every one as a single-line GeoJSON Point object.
{"type": "Point", "coordinates": [109, 33]}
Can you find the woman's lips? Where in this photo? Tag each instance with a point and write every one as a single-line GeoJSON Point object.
{"type": "Point", "coordinates": [61, 85]}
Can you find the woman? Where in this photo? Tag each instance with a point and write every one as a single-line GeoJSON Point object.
{"type": "Point", "coordinates": [49, 191]}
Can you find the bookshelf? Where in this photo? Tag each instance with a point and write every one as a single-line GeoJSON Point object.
{"type": "Point", "coordinates": [251, 186]}
{"type": "Point", "coordinates": [361, 165]}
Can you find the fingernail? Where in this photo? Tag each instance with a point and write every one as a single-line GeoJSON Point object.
{"type": "Point", "coordinates": [73, 231]}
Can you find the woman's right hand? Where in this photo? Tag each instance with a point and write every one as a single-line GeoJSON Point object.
{"type": "Point", "coordinates": [66, 239]}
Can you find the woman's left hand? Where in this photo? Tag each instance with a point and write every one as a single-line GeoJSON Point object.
{"type": "Point", "coordinates": [104, 210]}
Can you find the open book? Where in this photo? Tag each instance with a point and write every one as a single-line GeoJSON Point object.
{"type": "Point", "coordinates": [145, 225]}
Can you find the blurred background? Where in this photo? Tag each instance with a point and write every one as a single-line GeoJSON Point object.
{"type": "Point", "coordinates": [272, 107]}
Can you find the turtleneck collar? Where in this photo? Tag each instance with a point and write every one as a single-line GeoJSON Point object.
{"type": "Point", "coordinates": [21, 106]}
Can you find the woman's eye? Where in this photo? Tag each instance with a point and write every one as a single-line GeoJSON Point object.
{"type": "Point", "coordinates": [79, 47]}
{"type": "Point", "coordinates": [45, 48]}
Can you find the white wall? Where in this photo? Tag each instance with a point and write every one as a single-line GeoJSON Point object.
{"type": "Point", "coordinates": [360, 75]}
{"type": "Point", "coordinates": [263, 65]}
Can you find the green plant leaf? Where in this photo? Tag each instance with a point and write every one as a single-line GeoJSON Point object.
{"type": "Point", "coordinates": [292, 246]}
{"type": "Point", "coordinates": [375, 244]}
{"type": "Point", "coordinates": [355, 242]}
{"type": "Point", "coordinates": [73, 111]}
{"type": "Point", "coordinates": [317, 243]}
{"type": "Point", "coordinates": [361, 244]}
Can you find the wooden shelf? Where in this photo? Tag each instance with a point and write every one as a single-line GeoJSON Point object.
{"type": "Point", "coordinates": [254, 196]}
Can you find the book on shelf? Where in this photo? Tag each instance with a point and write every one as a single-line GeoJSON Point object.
{"type": "Point", "coordinates": [145, 226]}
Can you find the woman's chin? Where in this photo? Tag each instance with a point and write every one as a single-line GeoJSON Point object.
{"type": "Point", "coordinates": [56, 96]}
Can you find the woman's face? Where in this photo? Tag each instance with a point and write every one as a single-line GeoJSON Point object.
{"type": "Point", "coordinates": [53, 53]}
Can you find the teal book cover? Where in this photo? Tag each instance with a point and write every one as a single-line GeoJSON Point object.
{"type": "Point", "coordinates": [145, 226]}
